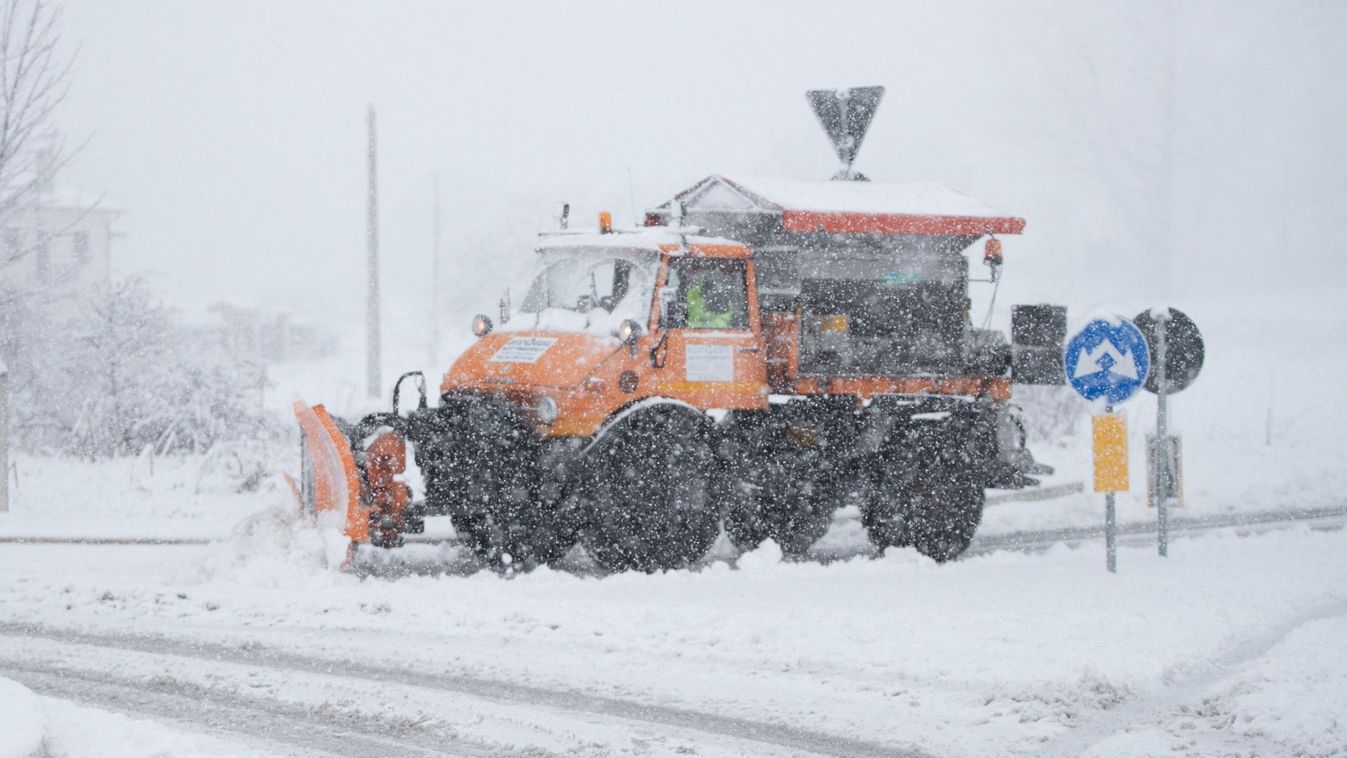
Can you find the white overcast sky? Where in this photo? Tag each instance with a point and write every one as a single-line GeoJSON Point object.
{"type": "Point", "coordinates": [232, 133]}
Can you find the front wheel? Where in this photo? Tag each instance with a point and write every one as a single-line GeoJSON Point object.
{"type": "Point", "coordinates": [647, 492]}
{"type": "Point", "coordinates": [480, 462]}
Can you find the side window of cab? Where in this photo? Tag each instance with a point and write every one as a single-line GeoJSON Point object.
{"type": "Point", "coordinates": [707, 294]}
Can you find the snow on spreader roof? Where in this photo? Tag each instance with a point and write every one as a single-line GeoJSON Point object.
{"type": "Point", "coordinates": [850, 206]}
{"type": "Point", "coordinates": [926, 198]}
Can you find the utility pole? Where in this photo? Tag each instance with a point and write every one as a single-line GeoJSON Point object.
{"type": "Point", "coordinates": [436, 307]}
{"type": "Point", "coordinates": [4, 439]}
{"type": "Point", "coordinates": [372, 346]}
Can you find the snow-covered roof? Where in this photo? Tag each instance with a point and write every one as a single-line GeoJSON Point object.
{"type": "Point", "coordinates": [63, 196]}
{"type": "Point", "coordinates": [647, 238]}
{"type": "Point", "coordinates": [849, 206]}
{"type": "Point", "coordinates": [55, 195]}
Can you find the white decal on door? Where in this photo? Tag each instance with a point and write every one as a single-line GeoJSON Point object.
{"type": "Point", "coordinates": [710, 363]}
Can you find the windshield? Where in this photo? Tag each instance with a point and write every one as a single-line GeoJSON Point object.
{"type": "Point", "coordinates": [592, 291]}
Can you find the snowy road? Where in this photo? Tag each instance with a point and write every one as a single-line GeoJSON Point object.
{"type": "Point", "coordinates": [252, 690]}
{"type": "Point", "coordinates": [1024, 649]}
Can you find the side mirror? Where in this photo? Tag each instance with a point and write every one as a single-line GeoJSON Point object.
{"type": "Point", "coordinates": [667, 304]}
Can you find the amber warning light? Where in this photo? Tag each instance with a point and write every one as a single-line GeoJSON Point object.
{"type": "Point", "coordinates": [991, 252]}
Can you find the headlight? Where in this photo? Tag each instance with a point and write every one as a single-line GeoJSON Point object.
{"type": "Point", "coordinates": [481, 325]}
{"type": "Point", "coordinates": [546, 409]}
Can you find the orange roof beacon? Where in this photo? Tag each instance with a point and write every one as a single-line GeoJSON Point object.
{"type": "Point", "coordinates": [762, 353]}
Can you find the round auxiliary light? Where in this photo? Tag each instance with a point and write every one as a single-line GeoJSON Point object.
{"type": "Point", "coordinates": [629, 330]}
{"type": "Point", "coordinates": [481, 325]}
{"type": "Point", "coordinates": [546, 409]}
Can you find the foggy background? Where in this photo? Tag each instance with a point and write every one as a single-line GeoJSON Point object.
{"type": "Point", "coordinates": [1183, 153]}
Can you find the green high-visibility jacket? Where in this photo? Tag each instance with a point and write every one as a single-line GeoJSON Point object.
{"type": "Point", "coordinates": [699, 317]}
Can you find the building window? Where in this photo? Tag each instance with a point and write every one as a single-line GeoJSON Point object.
{"type": "Point", "coordinates": [79, 242]}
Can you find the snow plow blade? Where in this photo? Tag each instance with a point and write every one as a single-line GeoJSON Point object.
{"type": "Point", "coordinates": [330, 480]}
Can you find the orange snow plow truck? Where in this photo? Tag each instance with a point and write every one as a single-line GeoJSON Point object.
{"type": "Point", "coordinates": [762, 353]}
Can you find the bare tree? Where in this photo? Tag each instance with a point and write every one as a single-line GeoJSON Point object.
{"type": "Point", "coordinates": [33, 82]}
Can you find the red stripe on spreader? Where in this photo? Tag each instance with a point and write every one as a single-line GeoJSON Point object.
{"type": "Point", "coordinates": [895, 223]}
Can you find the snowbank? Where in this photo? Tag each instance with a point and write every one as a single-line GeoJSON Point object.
{"type": "Point", "coordinates": [21, 732]}
{"type": "Point", "coordinates": [32, 726]}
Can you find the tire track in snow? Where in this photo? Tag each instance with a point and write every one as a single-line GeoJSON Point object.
{"type": "Point", "coordinates": [765, 733]}
{"type": "Point", "coordinates": [262, 723]}
{"type": "Point", "coordinates": [1184, 688]}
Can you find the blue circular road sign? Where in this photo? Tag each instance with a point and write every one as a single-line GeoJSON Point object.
{"type": "Point", "coordinates": [1107, 359]}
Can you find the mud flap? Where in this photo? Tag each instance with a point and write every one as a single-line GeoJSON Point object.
{"type": "Point", "coordinates": [330, 482]}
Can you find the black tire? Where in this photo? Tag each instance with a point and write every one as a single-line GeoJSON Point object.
{"type": "Point", "coordinates": [932, 502]}
{"type": "Point", "coordinates": [886, 515]}
{"type": "Point", "coordinates": [779, 494]}
{"type": "Point", "coordinates": [479, 460]}
{"type": "Point", "coordinates": [648, 492]}
{"type": "Point", "coordinates": [945, 511]}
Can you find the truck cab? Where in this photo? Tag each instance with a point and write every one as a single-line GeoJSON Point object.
{"type": "Point", "coordinates": [608, 320]}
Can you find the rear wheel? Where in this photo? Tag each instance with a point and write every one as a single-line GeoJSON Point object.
{"type": "Point", "coordinates": [945, 511]}
{"type": "Point", "coordinates": [790, 473]}
{"type": "Point", "coordinates": [932, 502]}
{"type": "Point", "coordinates": [647, 492]}
{"type": "Point", "coordinates": [480, 465]}
{"type": "Point", "coordinates": [780, 494]}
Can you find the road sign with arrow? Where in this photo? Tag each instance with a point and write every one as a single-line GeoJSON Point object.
{"type": "Point", "coordinates": [1107, 359]}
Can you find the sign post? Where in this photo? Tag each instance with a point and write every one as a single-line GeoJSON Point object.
{"type": "Point", "coordinates": [1179, 353]}
{"type": "Point", "coordinates": [1108, 360]}
{"type": "Point", "coordinates": [1162, 476]}
{"type": "Point", "coordinates": [1110, 471]}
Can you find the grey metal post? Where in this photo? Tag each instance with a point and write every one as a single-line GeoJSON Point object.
{"type": "Point", "coordinates": [372, 347]}
{"type": "Point", "coordinates": [1161, 453]}
{"type": "Point", "coordinates": [435, 305]}
{"type": "Point", "coordinates": [1110, 522]}
{"type": "Point", "coordinates": [4, 439]}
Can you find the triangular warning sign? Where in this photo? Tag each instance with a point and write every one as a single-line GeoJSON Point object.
{"type": "Point", "coordinates": [845, 115]}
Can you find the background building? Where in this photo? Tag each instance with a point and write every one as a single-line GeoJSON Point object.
{"type": "Point", "coordinates": [60, 244]}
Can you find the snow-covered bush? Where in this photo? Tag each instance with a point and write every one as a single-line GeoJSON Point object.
{"type": "Point", "coordinates": [118, 377]}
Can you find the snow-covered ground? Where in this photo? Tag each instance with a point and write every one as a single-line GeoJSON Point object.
{"type": "Point", "coordinates": [1231, 645]}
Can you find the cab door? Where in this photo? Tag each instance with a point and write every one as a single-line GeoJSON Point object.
{"type": "Point", "coordinates": [709, 351]}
